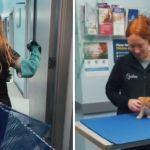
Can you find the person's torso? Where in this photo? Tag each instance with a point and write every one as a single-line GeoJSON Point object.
{"type": "Point", "coordinates": [4, 77]}
{"type": "Point", "coordinates": [135, 79]}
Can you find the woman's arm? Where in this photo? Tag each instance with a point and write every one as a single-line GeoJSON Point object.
{"type": "Point", "coordinates": [26, 68]}
{"type": "Point", "coordinates": [114, 85]}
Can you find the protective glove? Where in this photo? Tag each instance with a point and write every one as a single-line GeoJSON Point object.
{"type": "Point", "coordinates": [33, 44]}
{"type": "Point", "coordinates": [30, 66]}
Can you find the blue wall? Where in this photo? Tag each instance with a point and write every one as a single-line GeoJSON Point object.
{"type": "Point", "coordinates": [6, 6]}
{"type": "Point", "coordinates": [1, 7]}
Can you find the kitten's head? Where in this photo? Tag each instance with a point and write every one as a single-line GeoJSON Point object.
{"type": "Point", "coordinates": [145, 101]}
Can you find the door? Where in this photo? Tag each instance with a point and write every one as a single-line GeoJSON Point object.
{"type": "Point", "coordinates": [60, 98]}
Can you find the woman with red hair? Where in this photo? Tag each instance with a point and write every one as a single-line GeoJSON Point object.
{"type": "Point", "coordinates": [130, 76]}
{"type": "Point", "coordinates": [9, 58]}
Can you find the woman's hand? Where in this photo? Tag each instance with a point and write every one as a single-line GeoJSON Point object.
{"type": "Point", "coordinates": [134, 105]}
{"type": "Point", "coordinates": [32, 44]}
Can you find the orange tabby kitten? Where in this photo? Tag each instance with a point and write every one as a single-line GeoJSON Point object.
{"type": "Point", "coordinates": [145, 109]}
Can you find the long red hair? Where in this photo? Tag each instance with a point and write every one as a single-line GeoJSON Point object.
{"type": "Point", "coordinates": [6, 53]}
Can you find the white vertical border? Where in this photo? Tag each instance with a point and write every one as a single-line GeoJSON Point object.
{"type": "Point", "coordinates": [73, 44]}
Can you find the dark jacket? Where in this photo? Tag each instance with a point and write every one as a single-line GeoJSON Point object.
{"type": "Point", "coordinates": [127, 80]}
{"type": "Point", "coordinates": [5, 77]}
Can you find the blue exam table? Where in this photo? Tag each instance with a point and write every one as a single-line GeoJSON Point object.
{"type": "Point", "coordinates": [115, 132]}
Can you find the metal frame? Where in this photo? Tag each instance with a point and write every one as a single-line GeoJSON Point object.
{"type": "Point", "coordinates": [60, 47]}
{"type": "Point", "coordinates": [30, 32]}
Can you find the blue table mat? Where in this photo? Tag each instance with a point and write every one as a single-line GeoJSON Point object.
{"type": "Point", "coordinates": [120, 129]}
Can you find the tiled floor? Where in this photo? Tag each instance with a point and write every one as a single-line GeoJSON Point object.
{"type": "Point", "coordinates": [18, 102]}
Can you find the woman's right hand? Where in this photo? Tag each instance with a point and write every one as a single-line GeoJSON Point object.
{"type": "Point", "coordinates": [134, 105]}
{"type": "Point", "coordinates": [32, 44]}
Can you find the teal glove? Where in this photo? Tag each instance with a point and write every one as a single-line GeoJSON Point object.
{"type": "Point", "coordinates": [30, 66]}
{"type": "Point", "coordinates": [31, 44]}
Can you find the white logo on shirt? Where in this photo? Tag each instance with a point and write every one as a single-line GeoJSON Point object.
{"type": "Point", "coordinates": [131, 76]}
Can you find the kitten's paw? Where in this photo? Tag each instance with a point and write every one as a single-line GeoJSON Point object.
{"type": "Point", "coordinates": [148, 116]}
{"type": "Point", "coordinates": [139, 117]}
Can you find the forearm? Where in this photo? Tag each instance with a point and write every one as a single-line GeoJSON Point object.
{"type": "Point", "coordinates": [30, 66]}
{"type": "Point", "coordinates": [114, 87]}
{"type": "Point", "coordinates": [116, 98]}
{"type": "Point", "coordinates": [26, 68]}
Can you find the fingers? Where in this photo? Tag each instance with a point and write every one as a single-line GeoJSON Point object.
{"type": "Point", "coordinates": [135, 108]}
{"type": "Point", "coordinates": [134, 105]}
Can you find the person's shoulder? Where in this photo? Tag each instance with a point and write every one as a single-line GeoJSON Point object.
{"type": "Point", "coordinates": [15, 53]}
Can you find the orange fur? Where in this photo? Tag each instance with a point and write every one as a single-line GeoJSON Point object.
{"type": "Point", "coordinates": [145, 108]}
{"type": "Point", "coordinates": [6, 53]}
